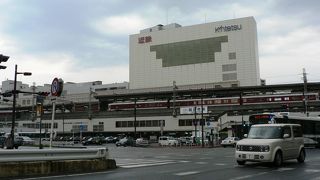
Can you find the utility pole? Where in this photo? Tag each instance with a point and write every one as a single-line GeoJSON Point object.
{"type": "Point", "coordinates": [202, 120]}
{"type": "Point", "coordinates": [195, 124]}
{"type": "Point", "coordinates": [89, 107]}
{"type": "Point", "coordinates": [174, 112]}
{"type": "Point", "coordinates": [135, 117]}
{"type": "Point", "coordinates": [33, 104]}
{"type": "Point", "coordinates": [305, 81]}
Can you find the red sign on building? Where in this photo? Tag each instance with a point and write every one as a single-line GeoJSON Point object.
{"type": "Point", "coordinates": [145, 39]}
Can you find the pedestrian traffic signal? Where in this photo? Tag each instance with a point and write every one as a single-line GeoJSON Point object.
{"type": "Point", "coordinates": [3, 59]}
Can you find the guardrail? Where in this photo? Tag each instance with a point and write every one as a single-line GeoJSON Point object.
{"type": "Point", "coordinates": [52, 154]}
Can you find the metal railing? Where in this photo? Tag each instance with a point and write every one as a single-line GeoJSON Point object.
{"type": "Point", "coordinates": [52, 154]}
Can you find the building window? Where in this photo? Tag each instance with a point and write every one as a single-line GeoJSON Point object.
{"type": "Point", "coordinates": [234, 85]}
{"type": "Point", "coordinates": [124, 124]}
{"type": "Point", "coordinates": [232, 55]}
{"type": "Point", "coordinates": [142, 123]}
{"type": "Point", "coordinates": [98, 128]}
{"type": "Point", "coordinates": [185, 122]}
{"type": "Point", "coordinates": [118, 124]}
{"type": "Point", "coordinates": [229, 67]}
{"type": "Point", "coordinates": [229, 76]}
{"type": "Point", "coordinates": [147, 123]}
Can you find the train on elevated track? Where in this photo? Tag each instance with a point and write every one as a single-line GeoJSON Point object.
{"type": "Point", "coordinates": [285, 99]}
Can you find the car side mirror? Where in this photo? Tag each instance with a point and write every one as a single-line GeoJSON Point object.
{"type": "Point", "coordinates": [286, 136]}
{"type": "Point", "coordinates": [245, 135]}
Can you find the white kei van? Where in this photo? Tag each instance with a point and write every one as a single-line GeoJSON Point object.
{"type": "Point", "coordinates": [271, 143]}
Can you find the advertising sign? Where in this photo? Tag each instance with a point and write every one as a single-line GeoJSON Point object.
{"type": "Point", "coordinates": [190, 110]}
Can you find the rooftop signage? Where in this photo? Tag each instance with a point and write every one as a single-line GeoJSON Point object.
{"type": "Point", "coordinates": [228, 28]}
{"type": "Point", "coordinates": [146, 39]}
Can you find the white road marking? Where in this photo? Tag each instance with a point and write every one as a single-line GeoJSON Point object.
{"type": "Point", "coordinates": [144, 165]}
{"type": "Point", "coordinates": [187, 173]}
{"type": "Point", "coordinates": [285, 169]}
{"type": "Point", "coordinates": [220, 164]}
{"type": "Point", "coordinates": [312, 170]}
{"type": "Point", "coordinates": [249, 176]}
{"type": "Point", "coordinates": [144, 162]}
{"type": "Point", "coordinates": [201, 163]}
{"type": "Point", "coordinates": [184, 161]}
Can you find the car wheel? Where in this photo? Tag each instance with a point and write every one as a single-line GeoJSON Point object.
{"type": "Point", "coordinates": [241, 162]}
{"type": "Point", "coordinates": [278, 159]}
{"type": "Point", "coordinates": [302, 156]}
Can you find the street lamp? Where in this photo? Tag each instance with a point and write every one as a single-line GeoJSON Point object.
{"type": "Point", "coordinates": [14, 92]}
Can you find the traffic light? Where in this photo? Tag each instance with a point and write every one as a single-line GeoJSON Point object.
{"type": "Point", "coordinates": [43, 93]}
{"type": "Point", "coordinates": [3, 59]}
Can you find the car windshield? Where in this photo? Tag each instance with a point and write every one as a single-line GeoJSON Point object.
{"type": "Point", "coordinates": [265, 132]}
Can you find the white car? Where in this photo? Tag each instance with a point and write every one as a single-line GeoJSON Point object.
{"type": "Point", "coordinates": [271, 143]}
{"type": "Point", "coordinates": [230, 141]}
{"type": "Point", "coordinates": [27, 140]}
{"type": "Point", "coordinates": [167, 141]}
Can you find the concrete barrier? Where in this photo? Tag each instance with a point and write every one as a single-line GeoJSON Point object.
{"type": "Point", "coordinates": [46, 168]}
{"type": "Point", "coordinates": [52, 154]}
{"type": "Point", "coordinates": [44, 162]}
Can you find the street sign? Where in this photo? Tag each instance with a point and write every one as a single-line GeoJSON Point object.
{"type": "Point", "coordinates": [81, 127]}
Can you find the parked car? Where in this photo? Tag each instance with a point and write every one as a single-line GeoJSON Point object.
{"type": "Point", "coordinates": [2, 141]}
{"type": "Point", "coordinates": [126, 141]}
{"type": "Point", "coordinates": [230, 141]}
{"type": "Point", "coordinates": [93, 140]}
{"type": "Point", "coordinates": [308, 142]}
{"type": "Point", "coordinates": [27, 140]}
{"type": "Point", "coordinates": [141, 142]}
{"type": "Point", "coordinates": [271, 143]}
{"type": "Point", "coordinates": [17, 142]}
{"type": "Point", "coordinates": [167, 141]}
{"type": "Point", "coordinates": [185, 140]}
{"type": "Point", "coordinates": [111, 139]}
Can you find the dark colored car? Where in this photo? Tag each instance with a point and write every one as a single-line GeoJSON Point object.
{"type": "Point", "coordinates": [18, 141]}
{"type": "Point", "coordinates": [2, 141]}
{"type": "Point", "coordinates": [126, 142]}
{"type": "Point", "coordinates": [93, 140]}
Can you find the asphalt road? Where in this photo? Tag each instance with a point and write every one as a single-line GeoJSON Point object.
{"type": "Point", "coordinates": [196, 163]}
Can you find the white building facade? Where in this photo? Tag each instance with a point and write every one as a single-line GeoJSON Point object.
{"type": "Point", "coordinates": [224, 53]}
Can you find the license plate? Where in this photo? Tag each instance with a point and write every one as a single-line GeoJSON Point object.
{"type": "Point", "coordinates": [250, 156]}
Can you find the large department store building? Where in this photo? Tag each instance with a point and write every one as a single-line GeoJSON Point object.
{"type": "Point", "coordinates": [224, 53]}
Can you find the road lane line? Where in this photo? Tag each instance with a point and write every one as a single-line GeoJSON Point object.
{"type": "Point", "coordinates": [187, 173]}
{"type": "Point", "coordinates": [144, 165]}
{"type": "Point", "coordinates": [249, 176]}
{"type": "Point", "coordinates": [201, 163]}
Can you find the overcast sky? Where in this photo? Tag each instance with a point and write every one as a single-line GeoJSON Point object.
{"type": "Point", "coordinates": [87, 40]}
